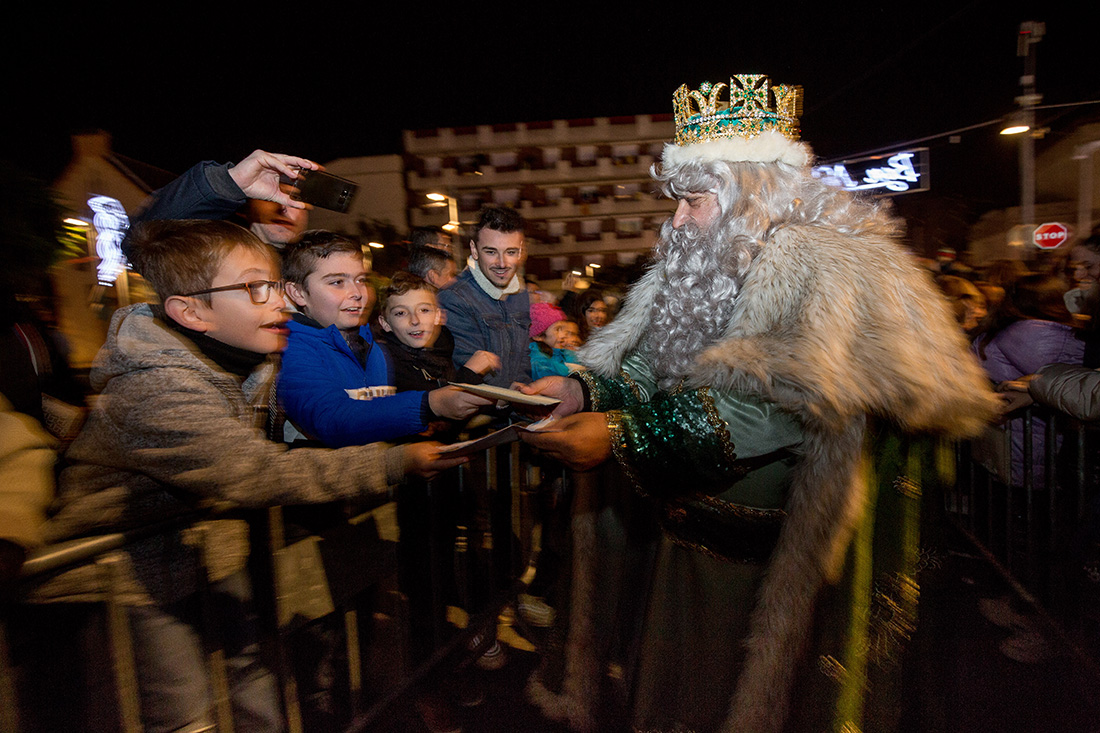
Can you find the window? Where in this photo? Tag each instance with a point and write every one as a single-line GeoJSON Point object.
{"type": "Point", "coordinates": [506, 196]}
{"type": "Point", "coordinates": [471, 201]}
{"type": "Point", "coordinates": [624, 154]}
{"type": "Point", "coordinates": [627, 191]}
{"type": "Point", "coordinates": [505, 159]}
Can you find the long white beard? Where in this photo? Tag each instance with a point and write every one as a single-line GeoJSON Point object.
{"type": "Point", "coordinates": [690, 314]}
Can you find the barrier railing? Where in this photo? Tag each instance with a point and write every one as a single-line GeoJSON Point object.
{"type": "Point", "coordinates": [478, 558]}
{"type": "Point", "coordinates": [1028, 495]}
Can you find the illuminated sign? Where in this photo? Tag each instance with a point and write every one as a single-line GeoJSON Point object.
{"type": "Point", "coordinates": [110, 223]}
{"type": "Point", "coordinates": [902, 172]}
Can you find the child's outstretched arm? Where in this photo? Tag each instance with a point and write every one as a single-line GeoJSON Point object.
{"type": "Point", "coordinates": [483, 362]}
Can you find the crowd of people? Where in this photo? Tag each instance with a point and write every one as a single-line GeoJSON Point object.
{"type": "Point", "coordinates": [1021, 321]}
{"type": "Point", "coordinates": [751, 390]}
{"type": "Point", "coordinates": [257, 317]}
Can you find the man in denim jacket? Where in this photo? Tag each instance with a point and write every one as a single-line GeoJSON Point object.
{"type": "Point", "coordinates": [487, 306]}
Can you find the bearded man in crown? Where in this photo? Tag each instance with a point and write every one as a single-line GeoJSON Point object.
{"type": "Point", "coordinates": [771, 390]}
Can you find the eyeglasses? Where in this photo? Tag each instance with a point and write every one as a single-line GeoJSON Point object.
{"type": "Point", "coordinates": [259, 291]}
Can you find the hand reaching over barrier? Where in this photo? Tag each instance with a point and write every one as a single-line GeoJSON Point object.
{"type": "Point", "coordinates": [453, 403]}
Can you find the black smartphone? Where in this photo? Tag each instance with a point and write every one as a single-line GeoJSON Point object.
{"type": "Point", "coordinates": [318, 188]}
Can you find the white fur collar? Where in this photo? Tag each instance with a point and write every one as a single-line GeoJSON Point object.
{"type": "Point", "coordinates": [605, 351]}
{"type": "Point", "coordinates": [767, 147]}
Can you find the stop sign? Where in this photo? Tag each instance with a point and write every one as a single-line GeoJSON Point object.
{"type": "Point", "coordinates": [1050, 235]}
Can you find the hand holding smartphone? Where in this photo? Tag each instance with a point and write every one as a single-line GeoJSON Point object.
{"type": "Point", "coordinates": [319, 188]}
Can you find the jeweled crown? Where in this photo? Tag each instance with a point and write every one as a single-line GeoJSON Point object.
{"type": "Point", "coordinates": [753, 106]}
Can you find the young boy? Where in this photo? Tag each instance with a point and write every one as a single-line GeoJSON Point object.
{"type": "Point", "coordinates": [417, 343]}
{"type": "Point", "coordinates": [174, 430]}
{"type": "Point", "coordinates": [334, 385]}
{"type": "Point", "coordinates": [410, 329]}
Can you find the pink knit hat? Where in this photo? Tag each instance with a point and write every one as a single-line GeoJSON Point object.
{"type": "Point", "coordinates": [543, 316]}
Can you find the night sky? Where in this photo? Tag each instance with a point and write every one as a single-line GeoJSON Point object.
{"type": "Point", "coordinates": [177, 86]}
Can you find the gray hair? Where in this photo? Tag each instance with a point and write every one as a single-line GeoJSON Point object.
{"type": "Point", "coordinates": [704, 270]}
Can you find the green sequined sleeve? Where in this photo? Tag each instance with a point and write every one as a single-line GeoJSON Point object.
{"type": "Point", "coordinates": [632, 386]}
{"type": "Point", "coordinates": [697, 438]}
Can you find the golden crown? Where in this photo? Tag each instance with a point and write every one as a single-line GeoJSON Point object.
{"type": "Point", "coordinates": [754, 106]}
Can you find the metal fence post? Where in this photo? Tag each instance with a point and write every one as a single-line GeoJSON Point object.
{"type": "Point", "coordinates": [122, 648]}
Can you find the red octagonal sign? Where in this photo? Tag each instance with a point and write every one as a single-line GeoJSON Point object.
{"type": "Point", "coordinates": [1050, 235]}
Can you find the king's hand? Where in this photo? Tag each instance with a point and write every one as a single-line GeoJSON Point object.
{"type": "Point", "coordinates": [569, 391]}
{"type": "Point", "coordinates": [580, 441]}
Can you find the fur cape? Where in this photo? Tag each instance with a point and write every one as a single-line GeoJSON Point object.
{"type": "Point", "coordinates": [835, 328]}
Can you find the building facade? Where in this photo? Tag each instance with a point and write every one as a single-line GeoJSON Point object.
{"type": "Point", "coordinates": [583, 185]}
{"type": "Point", "coordinates": [380, 197]}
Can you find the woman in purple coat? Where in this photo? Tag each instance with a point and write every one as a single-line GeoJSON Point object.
{"type": "Point", "coordinates": [1032, 329]}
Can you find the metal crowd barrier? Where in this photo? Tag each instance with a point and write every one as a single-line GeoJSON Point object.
{"type": "Point", "coordinates": [492, 559]}
{"type": "Point", "coordinates": [1027, 494]}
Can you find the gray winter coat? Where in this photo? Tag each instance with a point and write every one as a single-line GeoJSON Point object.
{"type": "Point", "coordinates": [171, 432]}
{"type": "Point", "coordinates": [1071, 389]}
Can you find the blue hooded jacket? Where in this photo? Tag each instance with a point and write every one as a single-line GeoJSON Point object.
{"type": "Point", "coordinates": [318, 369]}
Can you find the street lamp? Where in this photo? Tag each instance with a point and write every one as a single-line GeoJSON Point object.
{"type": "Point", "coordinates": [1016, 124]}
{"type": "Point", "coordinates": [452, 209]}
{"type": "Point", "coordinates": [1030, 34]}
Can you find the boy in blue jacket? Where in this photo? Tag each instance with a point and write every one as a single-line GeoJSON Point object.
{"type": "Point", "coordinates": [335, 385]}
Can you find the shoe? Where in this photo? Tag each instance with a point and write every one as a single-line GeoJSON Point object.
{"type": "Point", "coordinates": [535, 611]}
{"type": "Point", "coordinates": [493, 659]}
{"type": "Point", "coordinates": [999, 612]}
{"type": "Point", "coordinates": [437, 714]}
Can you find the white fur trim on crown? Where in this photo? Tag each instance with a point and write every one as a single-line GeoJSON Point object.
{"type": "Point", "coordinates": [767, 147]}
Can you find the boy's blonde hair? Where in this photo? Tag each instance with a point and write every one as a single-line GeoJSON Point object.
{"type": "Point", "coordinates": [178, 256]}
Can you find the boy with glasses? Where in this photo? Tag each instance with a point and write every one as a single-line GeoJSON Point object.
{"type": "Point", "coordinates": [175, 429]}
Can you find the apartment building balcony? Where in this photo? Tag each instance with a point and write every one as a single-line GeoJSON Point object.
{"type": "Point", "coordinates": [561, 172]}
{"type": "Point", "coordinates": [605, 242]}
{"type": "Point", "coordinates": [557, 132]}
{"type": "Point", "coordinates": [606, 206]}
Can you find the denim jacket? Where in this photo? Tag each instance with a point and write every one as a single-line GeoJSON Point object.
{"type": "Point", "coordinates": [481, 323]}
